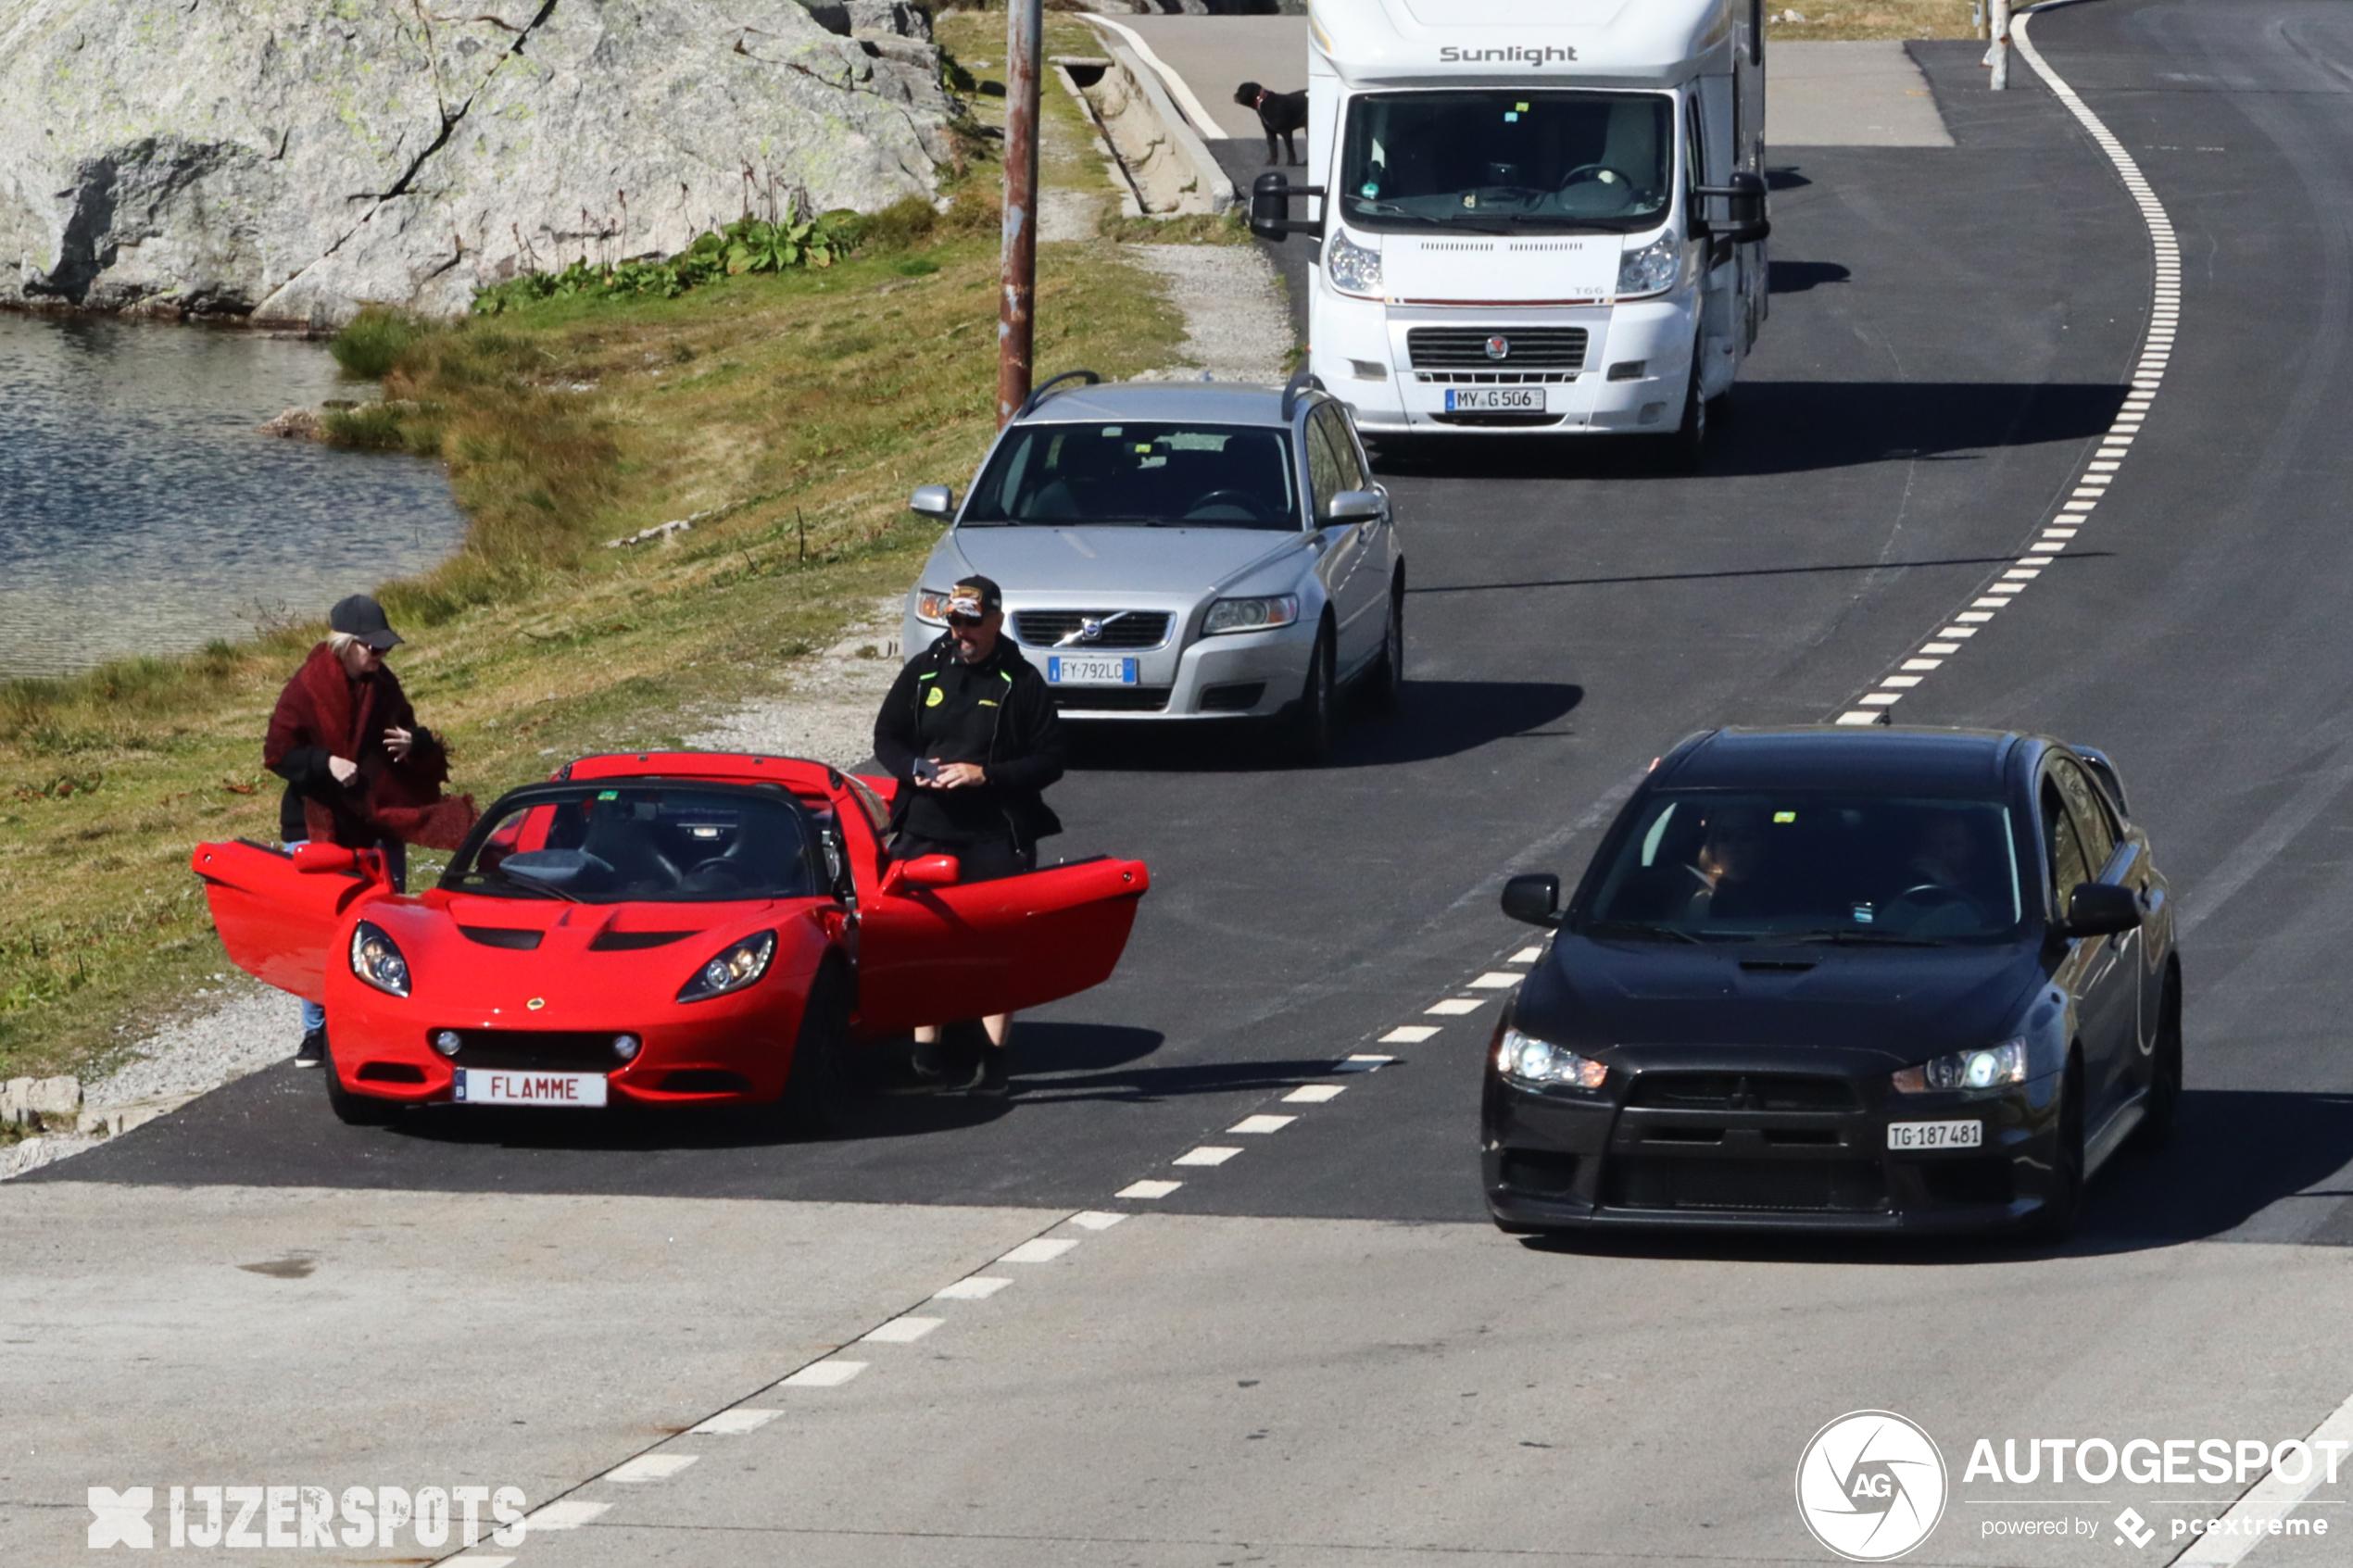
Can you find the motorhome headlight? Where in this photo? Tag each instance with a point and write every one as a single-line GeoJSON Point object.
{"type": "Point", "coordinates": [1652, 269]}
{"type": "Point", "coordinates": [1353, 268]}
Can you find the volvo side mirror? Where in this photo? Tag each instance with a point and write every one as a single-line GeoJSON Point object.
{"type": "Point", "coordinates": [933, 500]}
{"type": "Point", "coordinates": [2099, 908]}
{"type": "Point", "coordinates": [1534, 898]}
{"type": "Point", "coordinates": [1354, 506]}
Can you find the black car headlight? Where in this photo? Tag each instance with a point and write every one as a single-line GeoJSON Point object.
{"type": "Point", "coordinates": [1527, 1059]}
{"type": "Point", "coordinates": [1988, 1069]}
{"type": "Point", "coordinates": [375, 958]}
{"type": "Point", "coordinates": [739, 966]}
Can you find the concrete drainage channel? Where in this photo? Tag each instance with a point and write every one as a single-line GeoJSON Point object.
{"type": "Point", "coordinates": [1161, 165]}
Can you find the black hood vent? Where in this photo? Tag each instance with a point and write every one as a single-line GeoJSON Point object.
{"type": "Point", "coordinates": [502, 937]}
{"type": "Point", "coordinates": [634, 941]}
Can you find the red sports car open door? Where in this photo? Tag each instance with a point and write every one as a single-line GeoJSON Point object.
{"type": "Point", "coordinates": [276, 920]}
{"type": "Point", "coordinates": [934, 955]}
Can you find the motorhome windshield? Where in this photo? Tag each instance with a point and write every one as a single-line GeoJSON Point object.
{"type": "Point", "coordinates": [1508, 160]}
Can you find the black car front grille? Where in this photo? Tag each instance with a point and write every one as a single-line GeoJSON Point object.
{"type": "Point", "coordinates": [1756, 1186]}
{"type": "Point", "coordinates": [1049, 628]}
{"type": "Point", "coordinates": [538, 1050]}
{"type": "Point", "coordinates": [1525, 348]}
{"type": "Point", "coordinates": [1110, 699]}
{"type": "Point", "coordinates": [1741, 1091]}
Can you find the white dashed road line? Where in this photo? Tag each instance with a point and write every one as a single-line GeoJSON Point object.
{"type": "Point", "coordinates": [1043, 1249]}
{"type": "Point", "coordinates": [649, 1467]}
{"type": "Point", "coordinates": [1409, 1035]}
{"type": "Point", "coordinates": [1207, 1154]}
{"type": "Point", "coordinates": [1456, 1007]}
{"type": "Point", "coordinates": [2149, 373]}
{"type": "Point", "coordinates": [1262, 1123]}
{"type": "Point", "coordinates": [565, 1513]}
{"type": "Point", "coordinates": [1314, 1093]}
{"type": "Point", "coordinates": [1147, 1189]}
{"type": "Point", "coordinates": [824, 1375]}
{"type": "Point", "coordinates": [974, 1288]}
{"type": "Point", "coordinates": [901, 1331]}
{"type": "Point", "coordinates": [736, 1423]}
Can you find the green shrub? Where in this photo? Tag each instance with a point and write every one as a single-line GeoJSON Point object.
{"type": "Point", "coordinates": [374, 340]}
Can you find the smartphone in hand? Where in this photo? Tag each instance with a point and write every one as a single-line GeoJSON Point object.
{"type": "Point", "coordinates": [926, 769]}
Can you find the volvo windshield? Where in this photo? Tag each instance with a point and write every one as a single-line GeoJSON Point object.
{"type": "Point", "coordinates": [1859, 870]}
{"type": "Point", "coordinates": [1139, 472]}
{"type": "Point", "coordinates": [1508, 160]}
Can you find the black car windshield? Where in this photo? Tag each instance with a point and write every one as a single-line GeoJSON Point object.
{"type": "Point", "coordinates": [1859, 869]}
{"type": "Point", "coordinates": [1140, 474]}
{"type": "Point", "coordinates": [1512, 160]}
{"type": "Point", "coordinates": [623, 843]}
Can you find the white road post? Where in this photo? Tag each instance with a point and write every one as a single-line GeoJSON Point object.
{"type": "Point", "coordinates": [1998, 56]}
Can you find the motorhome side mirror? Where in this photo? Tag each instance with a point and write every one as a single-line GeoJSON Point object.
{"type": "Point", "coordinates": [933, 500]}
{"type": "Point", "coordinates": [1354, 506]}
{"type": "Point", "coordinates": [1270, 207]}
{"type": "Point", "coordinates": [2100, 909]}
{"type": "Point", "coordinates": [1749, 223]}
{"type": "Point", "coordinates": [1534, 898]}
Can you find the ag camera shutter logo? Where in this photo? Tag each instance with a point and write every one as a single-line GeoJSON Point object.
{"type": "Point", "coordinates": [1871, 1485]}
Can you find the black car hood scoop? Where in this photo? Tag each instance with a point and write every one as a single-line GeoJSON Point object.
{"type": "Point", "coordinates": [1906, 1002]}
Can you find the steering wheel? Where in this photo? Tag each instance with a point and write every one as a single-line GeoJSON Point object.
{"type": "Point", "coordinates": [1601, 171]}
{"type": "Point", "coordinates": [1242, 499]}
{"type": "Point", "coordinates": [721, 866]}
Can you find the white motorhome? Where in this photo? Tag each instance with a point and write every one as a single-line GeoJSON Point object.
{"type": "Point", "coordinates": [1535, 214]}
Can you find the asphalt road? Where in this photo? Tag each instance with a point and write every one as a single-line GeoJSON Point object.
{"type": "Point", "coordinates": [1951, 330]}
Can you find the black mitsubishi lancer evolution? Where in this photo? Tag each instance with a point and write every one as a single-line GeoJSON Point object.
{"type": "Point", "coordinates": [1841, 979]}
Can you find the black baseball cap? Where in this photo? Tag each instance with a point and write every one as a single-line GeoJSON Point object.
{"type": "Point", "coordinates": [363, 618]}
{"type": "Point", "coordinates": [976, 596]}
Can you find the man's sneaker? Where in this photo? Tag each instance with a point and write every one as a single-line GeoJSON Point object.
{"type": "Point", "coordinates": [313, 1050]}
{"type": "Point", "coordinates": [993, 1083]}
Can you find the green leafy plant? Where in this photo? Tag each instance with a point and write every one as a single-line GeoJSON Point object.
{"type": "Point", "coordinates": [748, 244]}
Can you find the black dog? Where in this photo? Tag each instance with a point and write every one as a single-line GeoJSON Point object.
{"type": "Point", "coordinates": [1280, 113]}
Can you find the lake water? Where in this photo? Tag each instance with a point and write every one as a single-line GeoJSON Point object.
{"type": "Point", "coordinates": [141, 510]}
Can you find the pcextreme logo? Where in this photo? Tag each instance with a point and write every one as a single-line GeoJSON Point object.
{"type": "Point", "coordinates": [1870, 1486]}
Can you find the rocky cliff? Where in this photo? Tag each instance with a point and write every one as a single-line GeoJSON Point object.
{"type": "Point", "coordinates": [294, 159]}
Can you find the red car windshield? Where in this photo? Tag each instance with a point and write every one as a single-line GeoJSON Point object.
{"type": "Point", "coordinates": [633, 843]}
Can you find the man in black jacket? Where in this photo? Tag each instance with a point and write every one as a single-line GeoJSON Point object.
{"type": "Point", "coordinates": [969, 730]}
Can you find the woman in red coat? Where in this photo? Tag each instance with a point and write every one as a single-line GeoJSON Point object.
{"type": "Point", "coordinates": [359, 770]}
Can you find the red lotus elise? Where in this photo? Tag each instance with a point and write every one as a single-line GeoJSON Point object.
{"type": "Point", "coordinates": [667, 928]}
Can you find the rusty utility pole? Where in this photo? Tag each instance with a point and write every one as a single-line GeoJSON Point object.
{"type": "Point", "coordinates": [1017, 311]}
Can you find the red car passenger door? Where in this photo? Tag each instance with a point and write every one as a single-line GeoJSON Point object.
{"type": "Point", "coordinates": [935, 955]}
{"type": "Point", "coordinates": [278, 922]}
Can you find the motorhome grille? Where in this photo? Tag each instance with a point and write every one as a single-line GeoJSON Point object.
{"type": "Point", "coordinates": [1049, 628]}
{"type": "Point", "coordinates": [1464, 348]}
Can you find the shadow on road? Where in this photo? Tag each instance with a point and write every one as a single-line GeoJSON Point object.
{"type": "Point", "coordinates": [1795, 427]}
{"type": "Point", "coordinates": [1435, 719]}
{"type": "Point", "coordinates": [2235, 1154]}
{"type": "Point", "coordinates": [1796, 277]}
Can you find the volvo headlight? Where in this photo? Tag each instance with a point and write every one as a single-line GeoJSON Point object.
{"type": "Point", "coordinates": [931, 605]}
{"type": "Point", "coordinates": [375, 958]}
{"type": "Point", "coordinates": [1250, 615]}
{"type": "Point", "coordinates": [731, 970]}
{"type": "Point", "coordinates": [1987, 1069]}
{"type": "Point", "coordinates": [1353, 268]}
{"type": "Point", "coordinates": [1527, 1059]}
{"type": "Point", "coordinates": [1652, 269]}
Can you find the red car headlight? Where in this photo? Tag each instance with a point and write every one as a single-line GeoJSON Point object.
{"type": "Point", "coordinates": [376, 960]}
{"type": "Point", "coordinates": [739, 966]}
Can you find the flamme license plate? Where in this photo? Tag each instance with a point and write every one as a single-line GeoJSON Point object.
{"type": "Point", "coordinates": [1935, 1134]}
{"type": "Point", "coordinates": [1089, 670]}
{"type": "Point", "coordinates": [1495, 400]}
{"type": "Point", "coordinates": [485, 1085]}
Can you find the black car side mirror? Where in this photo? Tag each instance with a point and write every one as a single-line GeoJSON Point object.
{"type": "Point", "coordinates": [2099, 908]}
{"type": "Point", "coordinates": [1534, 898]}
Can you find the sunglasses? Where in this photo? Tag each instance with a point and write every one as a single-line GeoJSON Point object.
{"type": "Point", "coordinates": [967, 622]}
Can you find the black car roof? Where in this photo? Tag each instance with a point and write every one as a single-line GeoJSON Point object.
{"type": "Point", "coordinates": [1962, 762]}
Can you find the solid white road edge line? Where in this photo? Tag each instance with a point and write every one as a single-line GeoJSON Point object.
{"type": "Point", "coordinates": [2107, 459]}
{"type": "Point", "coordinates": [2268, 1500]}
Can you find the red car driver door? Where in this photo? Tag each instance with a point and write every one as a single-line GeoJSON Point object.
{"type": "Point", "coordinates": [935, 955]}
{"type": "Point", "coordinates": [277, 920]}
